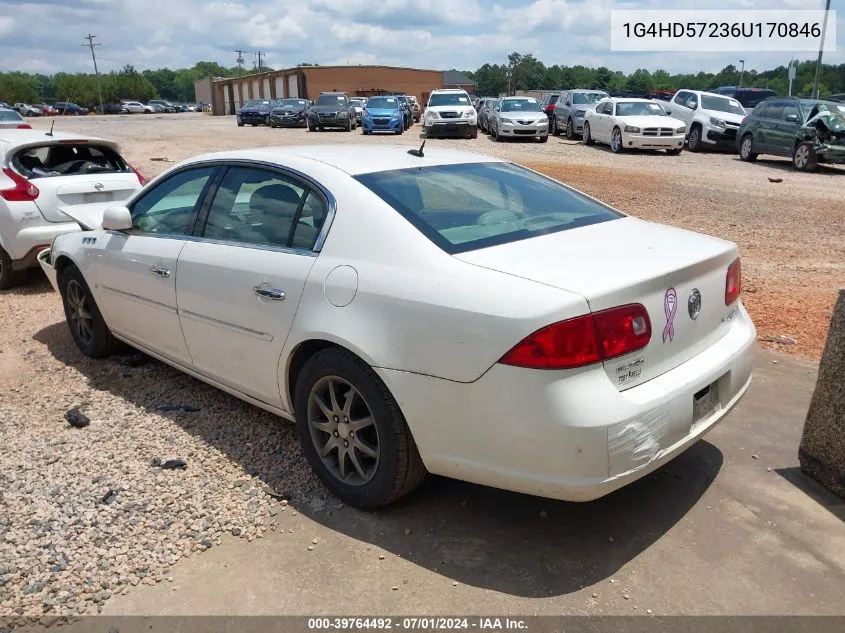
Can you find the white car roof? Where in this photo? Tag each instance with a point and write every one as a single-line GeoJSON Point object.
{"type": "Point", "coordinates": [13, 139]}
{"type": "Point", "coordinates": [352, 159]}
{"type": "Point", "coordinates": [517, 98]}
{"type": "Point", "coordinates": [629, 100]}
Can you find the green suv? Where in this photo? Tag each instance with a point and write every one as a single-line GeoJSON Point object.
{"type": "Point", "coordinates": [781, 126]}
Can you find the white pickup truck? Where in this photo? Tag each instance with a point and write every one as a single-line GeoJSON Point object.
{"type": "Point", "coordinates": [711, 119]}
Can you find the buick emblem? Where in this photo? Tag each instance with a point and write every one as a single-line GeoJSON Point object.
{"type": "Point", "coordinates": [694, 304]}
{"type": "Point", "coordinates": [98, 186]}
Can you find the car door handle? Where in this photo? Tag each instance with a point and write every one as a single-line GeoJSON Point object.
{"type": "Point", "coordinates": [269, 293]}
{"type": "Point", "coordinates": [161, 272]}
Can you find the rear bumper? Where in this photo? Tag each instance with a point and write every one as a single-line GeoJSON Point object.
{"type": "Point", "coordinates": [569, 434]}
{"type": "Point", "coordinates": [24, 246]}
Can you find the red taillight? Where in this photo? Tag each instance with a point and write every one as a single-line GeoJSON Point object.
{"type": "Point", "coordinates": [22, 191]}
{"type": "Point", "coordinates": [733, 282]}
{"type": "Point", "coordinates": [141, 178]}
{"type": "Point", "coordinates": [24, 126]}
{"type": "Point", "coordinates": [584, 340]}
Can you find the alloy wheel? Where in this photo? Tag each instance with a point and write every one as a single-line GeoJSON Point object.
{"type": "Point", "coordinates": [802, 156]}
{"type": "Point", "coordinates": [616, 140]}
{"type": "Point", "coordinates": [80, 313]}
{"type": "Point", "coordinates": [746, 147]}
{"type": "Point", "coordinates": [343, 431]}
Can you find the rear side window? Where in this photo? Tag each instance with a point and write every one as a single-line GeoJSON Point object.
{"type": "Point", "coordinates": [68, 159]}
{"type": "Point", "coordinates": [467, 207]}
{"type": "Point", "coordinates": [10, 115]}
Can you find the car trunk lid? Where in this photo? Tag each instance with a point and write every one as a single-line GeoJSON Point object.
{"type": "Point", "coordinates": [677, 275]}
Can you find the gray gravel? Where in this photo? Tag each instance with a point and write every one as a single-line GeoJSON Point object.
{"type": "Point", "coordinates": [87, 513]}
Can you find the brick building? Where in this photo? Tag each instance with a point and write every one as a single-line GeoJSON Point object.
{"type": "Point", "coordinates": [228, 94]}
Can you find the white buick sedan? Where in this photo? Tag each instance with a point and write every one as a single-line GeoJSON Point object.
{"type": "Point", "coordinates": [448, 313]}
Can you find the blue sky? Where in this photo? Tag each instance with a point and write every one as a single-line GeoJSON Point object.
{"type": "Point", "coordinates": [46, 35]}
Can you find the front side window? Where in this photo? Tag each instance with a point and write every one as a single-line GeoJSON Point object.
{"type": "Point", "coordinates": [790, 111]}
{"type": "Point", "coordinates": [171, 206]}
{"type": "Point", "coordinates": [681, 98]}
{"type": "Point", "coordinates": [264, 208]}
{"type": "Point", "coordinates": [470, 206]}
{"type": "Point", "coordinates": [774, 111]}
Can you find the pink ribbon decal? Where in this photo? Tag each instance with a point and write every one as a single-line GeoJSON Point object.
{"type": "Point", "coordinates": [670, 307]}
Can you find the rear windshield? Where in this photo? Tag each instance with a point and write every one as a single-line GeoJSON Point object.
{"type": "Point", "coordinates": [466, 207]}
{"type": "Point", "coordinates": [68, 159]}
{"type": "Point", "coordinates": [750, 98]}
{"type": "Point", "coordinates": [10, 115]}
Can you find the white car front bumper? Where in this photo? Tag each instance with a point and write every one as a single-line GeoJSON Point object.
{"type": "Point", "coordinates": [569, 434]}
{"type": "Point", "coordinates": [643, 141]}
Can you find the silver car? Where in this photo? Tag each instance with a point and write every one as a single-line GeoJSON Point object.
{"type": "Point", "coordinates": [571, 108]}
{"type": "Point", "coordinates": [515, 117]}
{"type": "Point", "coordinates": [358, 106]}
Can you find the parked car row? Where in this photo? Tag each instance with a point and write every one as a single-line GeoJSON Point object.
{"type": "Point", "coordinates": [123, 107]}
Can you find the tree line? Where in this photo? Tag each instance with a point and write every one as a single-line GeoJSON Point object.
{"type": "Point", "coordinates": [525, 72]}
{"type": "Point", "coordinates": [521, 72]}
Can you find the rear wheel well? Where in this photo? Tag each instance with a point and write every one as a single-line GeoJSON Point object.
{"type": "Point", "coordinates": [302, 353]}
{"type": "Point", "coordinates": [61, 265]}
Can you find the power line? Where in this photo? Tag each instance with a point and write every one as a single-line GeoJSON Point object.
{"type": "Point", "coordinates": [91, 45]}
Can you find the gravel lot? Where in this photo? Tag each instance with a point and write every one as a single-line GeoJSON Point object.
{"type": "Point", "coordinates": [85, 514]}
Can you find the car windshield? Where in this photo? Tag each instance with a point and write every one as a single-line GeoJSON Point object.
{"type": "Point", "coordinates": [588, 97]}
{"type": "Point", "coordinates": [382, 103]}
{"type": "Point", "coordinates": [297, 103]}
{"type": "Point", "coordinates": [638, 108]}
{"type": "Point", "coordinates": [68, 159]}
{"type": "Point", "coordinates": [469, 206]}
{"type": "Point", "coordinates": [252, 103]}
{"type": "Point", "coordinates": [10, 115]}
{"type": "Point", "coordinates": [520, 106]}
{"type": "Point", "coordinates": [330, 100]}
{"type": "Point", "coordinates": [721, 104]}
{"type": "Point", "coordinates": [448, 99]}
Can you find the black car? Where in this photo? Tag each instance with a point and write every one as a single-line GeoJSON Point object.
{"type": "Point", "coordinates": [71, 109]}
{"type": "Point", "coordinates": [331, 109]}
{"type": "Point", "coordinates": [115, 108]}
{"type": "Point", "coordinates": [748, 97]}
{"type": "Point", "coordinates": [289, 113]}
{"type": "Point", "coordinates": [408, 109]}
{"type": "Point", "coordinates": [255, 112]}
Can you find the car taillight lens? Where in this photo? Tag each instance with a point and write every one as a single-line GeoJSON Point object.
{"type": "Point", "coordinates": [584, 340]}
{"type": "Point", "coordinates": [24, 126]}
{"type": "Point", "coordinates": [733, 282]}
{"type": "Point", "coordinates": [141, 178]}
{"type": "Point", "coordinates": [22, 191]}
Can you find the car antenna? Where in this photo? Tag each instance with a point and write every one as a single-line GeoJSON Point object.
{"type": "Point", "coordinates": [50, 133]}
{"type": "Point", "coordinates": [418, 152]}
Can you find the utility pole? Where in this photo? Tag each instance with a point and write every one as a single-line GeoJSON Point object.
{"type": "Point", "coordinates": [259, 61]}
{"type": "Point", "coordinates": [91, 45]}
{"type": "Point", "coordinates": [821, 51]}
{"type": "Point", "coordinates": [741, 72]}
{"type": "Point", "coordinates": [240, 61]}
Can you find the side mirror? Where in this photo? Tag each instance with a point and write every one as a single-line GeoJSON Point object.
{"type": "Point", "coordinates": [117, 219]}
{"type": "Point", "coordinates": [692, 105]}
{"type": "Point", "coordinates": [667, 110]}
{"type": "Point", "coordinates": [792, 118]}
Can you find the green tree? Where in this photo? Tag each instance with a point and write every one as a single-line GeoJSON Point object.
{"type": "Point", "coordinates": [640, 82]}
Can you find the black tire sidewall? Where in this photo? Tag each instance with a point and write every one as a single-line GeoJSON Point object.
{"type": "Point", "coordinates": [379, 490]}
{"type": "Point", "coordinates": [9, 277]}
{"type": "Point", "coordinates": [102, 342]}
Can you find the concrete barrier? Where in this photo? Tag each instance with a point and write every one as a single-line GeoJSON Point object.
{"type": "Point", "coordinates": [822, 449]}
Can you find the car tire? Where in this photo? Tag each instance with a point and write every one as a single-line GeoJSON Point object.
{"type": "Point", "coordinates": [494, 132]}
{"type": "Point", "coordinates": [9, 277]}
{"type": "Point", "coordinates": [267, 120]}
{"type": "Point", "coordinates": [674, 152]}
{"type": "Point", "coordinates": [473, 132]}
{"type": "Point", "coordinates": [746, 149]}
{"type": "Point", "coordinates": [383, 449]}
{"type": "Point", "coordinates": [348, 125]}
{"type": "Point", "coordinates": [400, 131]}
{"type": "Point", "coordinates": [570, 130]}
{"type": "Point", "coordinates": [90, 333]}
{"type": "Point", "coordinates": [588, 137]}
{"type": "Point", "coordinates": [240, 124]}
{"type": "Point", "coordinates": [694, 139]}
{"type": "Point", "coordinates": [309, 127]}
{"type": "Point", "coordinates": [543, 139]}
{"type": "Point", "coordinates": [804, 157]}
{"type": "Point", "coordinates": [616, 142]}
{"type": "Point", "coordinates": [555, 128]}
{"type": "Point", "coordinates": [551, 124]}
